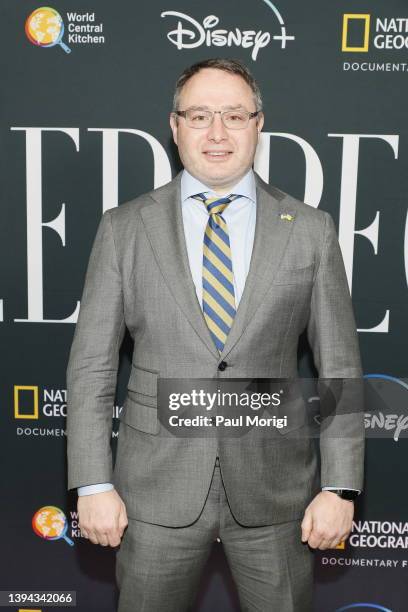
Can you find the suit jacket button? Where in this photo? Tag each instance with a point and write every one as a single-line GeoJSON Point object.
{"type": "Point", "coordinates": [222, 365]}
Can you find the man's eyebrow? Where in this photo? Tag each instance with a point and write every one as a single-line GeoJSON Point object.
{"type": "Point", "coordinates": [225, 107]}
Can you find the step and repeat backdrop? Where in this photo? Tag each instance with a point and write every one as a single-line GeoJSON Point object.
{"type": "Point", "coordinates": [86, 94]}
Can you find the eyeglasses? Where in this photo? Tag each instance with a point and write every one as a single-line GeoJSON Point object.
{"type": "Point", "coordinates": [232, 119]}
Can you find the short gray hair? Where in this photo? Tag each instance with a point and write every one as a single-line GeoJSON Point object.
{"type": "Point", "coordinates": [232, 66]}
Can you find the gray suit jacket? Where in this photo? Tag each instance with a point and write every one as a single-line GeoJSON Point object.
{"type": "Point", "coordinates": [138, 277]}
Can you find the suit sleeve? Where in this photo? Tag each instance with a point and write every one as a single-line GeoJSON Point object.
{"type": "Point", "coordinates": [93, 364]}
{"type": "Point", "coordinates": [333, 338]}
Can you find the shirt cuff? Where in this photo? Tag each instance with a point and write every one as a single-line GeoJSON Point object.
{"type": "Point", "coordinates": [95, 488]}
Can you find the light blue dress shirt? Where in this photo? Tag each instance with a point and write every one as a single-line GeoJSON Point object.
{"type": "Point", "coordinates": [240, 217]}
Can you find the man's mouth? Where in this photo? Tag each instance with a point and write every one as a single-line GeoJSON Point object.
{"type": "Point", "coordinates": [217, 155]}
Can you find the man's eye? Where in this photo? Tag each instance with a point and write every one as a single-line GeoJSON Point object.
{"type": "Point", "coordinates": [198, 118]}
{"type": "Point", "coordinates": [236, 118]}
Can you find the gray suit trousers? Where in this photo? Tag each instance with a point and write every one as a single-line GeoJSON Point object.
{"type": "Point", "coordinates": [158, 568]}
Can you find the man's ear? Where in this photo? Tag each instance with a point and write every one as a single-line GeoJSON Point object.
{"type": "Point", "coordinates": [174, 126]}
{"type": "Point", "coordinates": [260, 122]}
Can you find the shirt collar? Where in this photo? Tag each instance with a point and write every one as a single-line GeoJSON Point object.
{"type": "Point", "coordinates": [191, 186]}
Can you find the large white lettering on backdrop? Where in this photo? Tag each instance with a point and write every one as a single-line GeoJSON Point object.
{"type": "Point", "coordinates": [314, 180]}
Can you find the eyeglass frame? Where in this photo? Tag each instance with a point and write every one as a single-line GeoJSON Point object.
{"type": "Point", "coordinates": [206, 110]}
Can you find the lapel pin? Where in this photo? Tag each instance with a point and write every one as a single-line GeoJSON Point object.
{"type": "Point", "coordinates": [287, 217]}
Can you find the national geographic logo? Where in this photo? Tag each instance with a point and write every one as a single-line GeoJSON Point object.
{"type": "Point", "coordinates": [365, 33]}
{"type": "Point", "coordinates": [27, 402]}
{"type": "Point", "coordinates": [30, 402]}
{"type": "Point", "coordinates": [377, 534]}
{"type": "Point", "coordinates": [356, 32]}
{"type": "Point", "coordinates": [386, 543]}
{"type": "Point", "coordinates": [25, 409]}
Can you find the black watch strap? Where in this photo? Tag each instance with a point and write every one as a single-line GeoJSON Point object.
{"type": "Point", "coordinates": [349, 494]}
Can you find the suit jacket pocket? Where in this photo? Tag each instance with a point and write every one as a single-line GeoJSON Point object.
{"type": "Point", "coordinates": [293, 276]}
{"type": "Point", "coordinates": [143, 381]}
{"type": "Point", "coordinates": [141, 417]}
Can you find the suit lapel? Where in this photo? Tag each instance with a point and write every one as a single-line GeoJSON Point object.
{"type": "Point", "coordinates": [270, 240]}
{"type": "Point", "coordinates": [165, 230]}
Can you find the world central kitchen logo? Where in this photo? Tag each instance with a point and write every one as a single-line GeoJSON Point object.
{"type": "Point", "coordinates": [44, 27]}
{"type": "Point", "coordinates": [360, 30]}
{"type": "Point", "coordinates": [190, 33]}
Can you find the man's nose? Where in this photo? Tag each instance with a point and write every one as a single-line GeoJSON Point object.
{"type": "Point", "coordinates": [217, 130]}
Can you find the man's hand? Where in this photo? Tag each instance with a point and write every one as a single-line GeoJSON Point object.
{"type": "Point", "coordinates": [327, 520]}
{"type": "Point", "coordinates": [102, 517]}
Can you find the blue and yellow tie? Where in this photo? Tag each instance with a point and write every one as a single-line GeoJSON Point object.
{"type": "Point", "coordinates": [219, 306]}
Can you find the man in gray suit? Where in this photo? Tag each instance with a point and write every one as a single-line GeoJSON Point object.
{"type": "Point", "coordinates": [215, 275]}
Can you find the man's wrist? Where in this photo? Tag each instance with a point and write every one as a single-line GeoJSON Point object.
{"type": "Point", "coordinates": [95, 488]}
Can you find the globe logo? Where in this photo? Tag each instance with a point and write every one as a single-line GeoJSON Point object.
{"type": "Point", "coordinates": [50, 523]}
{"type": "Point", "coordinates": [44, 28]}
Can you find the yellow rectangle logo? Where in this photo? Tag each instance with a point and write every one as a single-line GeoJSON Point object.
{"type": "Point", "coordinates": [34, 413]}
{"type": "Point", "coordinates": [347, 17]}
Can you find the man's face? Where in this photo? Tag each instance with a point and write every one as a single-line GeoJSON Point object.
{"type": "Point", "coordinates": [214, 89]}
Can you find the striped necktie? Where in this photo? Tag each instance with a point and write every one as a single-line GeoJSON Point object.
{"type": "Point", "coordinates": [219, 305]}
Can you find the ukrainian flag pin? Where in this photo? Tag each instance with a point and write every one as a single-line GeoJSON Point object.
{"type": "Point", "coordinates": [287, 217]}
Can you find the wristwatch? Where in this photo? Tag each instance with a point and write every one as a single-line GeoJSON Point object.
{"type": "Point", "coordinates": [349, 494]}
